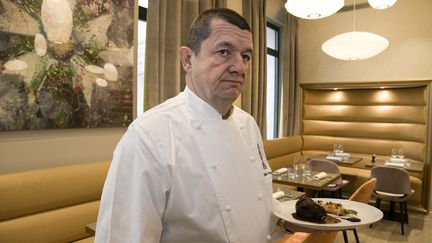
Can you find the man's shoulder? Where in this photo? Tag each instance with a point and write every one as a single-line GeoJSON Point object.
{"type": "Point", "coordinates": [159, 120]}
{"type": "Point", "coordinates": [242, 115]}
{"type": "Point", "coordinates": [167, 108]}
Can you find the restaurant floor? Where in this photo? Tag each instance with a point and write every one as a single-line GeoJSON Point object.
{"type": "Point", "coordinates": [419, 230]}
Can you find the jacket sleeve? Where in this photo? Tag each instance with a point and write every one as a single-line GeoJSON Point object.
{"type": "Point", "coordinates": [135, 191]}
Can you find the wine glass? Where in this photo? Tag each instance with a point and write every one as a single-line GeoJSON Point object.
{"type": "Point", "coordinates": [400, 154]}
{"type": "Point", "coordinates": [306, 168]}
{"type": "Point", "coordinates": [394, 152]}
{"type": "Point", "coordinates": [335, 149]}
{"type": "Point", "coordinates": [296, 165]}
{"type": "Point", "coordinates": [340, 148]}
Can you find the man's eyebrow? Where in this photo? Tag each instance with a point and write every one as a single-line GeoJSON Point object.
{"type": "Point", "coordinates": [248, 51]}
{"type": "Point", "coordinates": [224, 44]}
{"type": "Point", "coordinates": [227, 44]}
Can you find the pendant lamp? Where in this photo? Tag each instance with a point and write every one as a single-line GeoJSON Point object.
{"type": "Point", "coordinates": [381, 4]}
{"type": "Point", "coordinates": [355, 45]}
{"type": "Point", "coordinates": [313, 9]}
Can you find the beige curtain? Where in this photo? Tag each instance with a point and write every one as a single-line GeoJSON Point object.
{"type": "Point", "coordinates": [289, 80]}
{"type": "Point", "coordinates": [168, 23]}
{"type": "Point", "coordinates": [254, 94]}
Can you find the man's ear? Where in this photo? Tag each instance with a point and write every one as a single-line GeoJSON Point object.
{"type": "Point", "coordinates": [185, 54]}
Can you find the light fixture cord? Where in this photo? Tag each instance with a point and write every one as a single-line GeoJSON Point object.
{"type": "Point", "coordinates": [354, 15]}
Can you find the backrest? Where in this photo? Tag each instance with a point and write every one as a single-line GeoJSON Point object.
{"type": "Point", "coordinates": [392, 180]}
{"type": "Point", "coordinates": [366, 120]}
{"type": "Point", "coordinates": [364, 193]}
{"type": "Point", "coordinates": [281, 152]}
{"type": "Point", "coordinates": [50, 205]}
{"type": "Point", "coordinates": [34, 191]}
{"type": "Point", "coordinates": [301, 237]}
{"type": "Point", "coordinates": [325, 166]}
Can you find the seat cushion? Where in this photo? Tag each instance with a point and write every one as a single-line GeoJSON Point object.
{"type": "Point", "coordinates": [86, 240]}
{"type": "Point", "coordinates": [60, 225]}
{"type": "Point", "coordinates": [388, 194]}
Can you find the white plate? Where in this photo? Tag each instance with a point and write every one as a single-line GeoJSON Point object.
{"type": "Point", "coordinates": [365, 212]}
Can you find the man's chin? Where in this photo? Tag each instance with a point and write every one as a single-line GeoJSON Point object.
{"type": "Point", "coordinates": [231, 94]}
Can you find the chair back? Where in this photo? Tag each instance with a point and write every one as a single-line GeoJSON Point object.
{"type": "Point", "coordinates": [325, 166]}
{"type": "Point", "coordinates": [392, 180]}
{"type": "Point", "coordinates": [364, 193]}
{"type": "Point", "coordinates": [302, 237]}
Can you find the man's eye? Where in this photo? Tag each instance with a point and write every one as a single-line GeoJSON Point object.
{"type": "Point", "coordinates": [246, 57]}
{"type": "Point", "coordinates": [223, 53]}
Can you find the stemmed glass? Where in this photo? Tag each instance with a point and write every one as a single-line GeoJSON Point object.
{"type": "Point", "coordinates": [400, 154]}
{"type": "Point", "coordinates": [335, 149]}
{"type": "Point", "coordinates": [340, 148]}
{"type": "Point", "coordinates": [306, 168]}
{"type": "Point", "coordinates": [394, 153]}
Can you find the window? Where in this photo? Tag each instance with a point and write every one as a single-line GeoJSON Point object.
{"type": "Point", "coordinates": [142, 29]}
{"type": "Point", "coordinates": [273, 84]}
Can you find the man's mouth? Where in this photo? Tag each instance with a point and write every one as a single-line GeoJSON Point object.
{"type": "Point", "coordinates": [233, 81]}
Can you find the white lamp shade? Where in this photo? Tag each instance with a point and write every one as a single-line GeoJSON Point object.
{"type": "Point", "coordinates": [313, 9]}
{"type": "Point", "coordinates": [381, 4]}
{"type": "Point", "coordinates": [355, 45]}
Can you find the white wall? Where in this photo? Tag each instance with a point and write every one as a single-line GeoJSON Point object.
{"type": "Point", "coordinates": [407, 25]}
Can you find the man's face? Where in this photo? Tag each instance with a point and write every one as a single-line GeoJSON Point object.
{"type": "Point", "coordinates": [218, 71]}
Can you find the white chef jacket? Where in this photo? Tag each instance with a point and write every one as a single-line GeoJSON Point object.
{"type": "Point", "coordinates": [183, 174]}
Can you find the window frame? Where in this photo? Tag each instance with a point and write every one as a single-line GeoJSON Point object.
{"type": "Point", "coordinates": [140, 96]}
{"type": "Point", "coordinates": [276, 54]}
{"type": "Point", "coordinates": [142, 13]}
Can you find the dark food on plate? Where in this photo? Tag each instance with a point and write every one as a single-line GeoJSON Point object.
{"type": "Point", "coordinates": [306, 208]}
{"type": "Point", "coordinates": [319, 211]}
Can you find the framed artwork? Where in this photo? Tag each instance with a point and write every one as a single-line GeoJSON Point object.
{"type": "Point", "coordinates": [66, 64]}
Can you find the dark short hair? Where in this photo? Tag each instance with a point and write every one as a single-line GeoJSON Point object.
{"type": "Point", "coordinates": [200, 29]}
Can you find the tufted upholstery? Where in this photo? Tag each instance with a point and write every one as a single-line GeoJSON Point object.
{"type": "Point", "coordinates": [366, 120]}
{"type": "Point", "coordinates": [50, 205]}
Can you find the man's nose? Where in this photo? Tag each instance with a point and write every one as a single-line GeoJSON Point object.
{"type": "Point", "coordinates": [238, 64]}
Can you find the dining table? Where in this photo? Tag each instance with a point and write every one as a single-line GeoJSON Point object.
{"type": "Point", "coordinates": [306, 182]}
{"type": "Point", "coordinates": [366, 214]}
{"type": "Point", "coordinates": [288, 194]}
{"type": "Point", "coordinates": [349, 161]}
{"type": "Point", "coordinates": [413, 166]}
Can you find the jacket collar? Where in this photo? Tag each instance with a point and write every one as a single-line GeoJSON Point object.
{"type": "Point", "coordinates": [200, 107]}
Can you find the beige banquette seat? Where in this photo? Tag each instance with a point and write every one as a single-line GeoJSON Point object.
{"type": "Point", "coordinates": [50, 205]}
{"type": "Point", "coordinates": [366, 120]}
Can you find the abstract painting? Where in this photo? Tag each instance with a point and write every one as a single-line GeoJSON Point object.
{"type": "Point", "coordinates": [66, 64]}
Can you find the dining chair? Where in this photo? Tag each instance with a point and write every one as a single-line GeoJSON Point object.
{"type": "Point", "coordinates": [363, 194]}
{"type": "Point", "coordinates": [329, 167]}
{"type": "Point", "coordinates": [302, 237]}
{"type": "Point", "coordinates": [393, 185]}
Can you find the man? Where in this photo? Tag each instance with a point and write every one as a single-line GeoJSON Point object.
{"type": "Point", "coordinates": [193, 169]}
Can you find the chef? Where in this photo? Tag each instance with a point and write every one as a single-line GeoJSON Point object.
{"type": "Point", "coordinates": [193, 169]}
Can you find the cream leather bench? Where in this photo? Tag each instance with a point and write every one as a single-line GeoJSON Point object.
{"type": "Point", "coordinates": [50, 205]}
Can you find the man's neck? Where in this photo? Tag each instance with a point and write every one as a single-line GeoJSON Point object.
{"type": "Point", "coordinates": [224, 117]}
{"type": "Point", "coordinates": [224, 108]}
